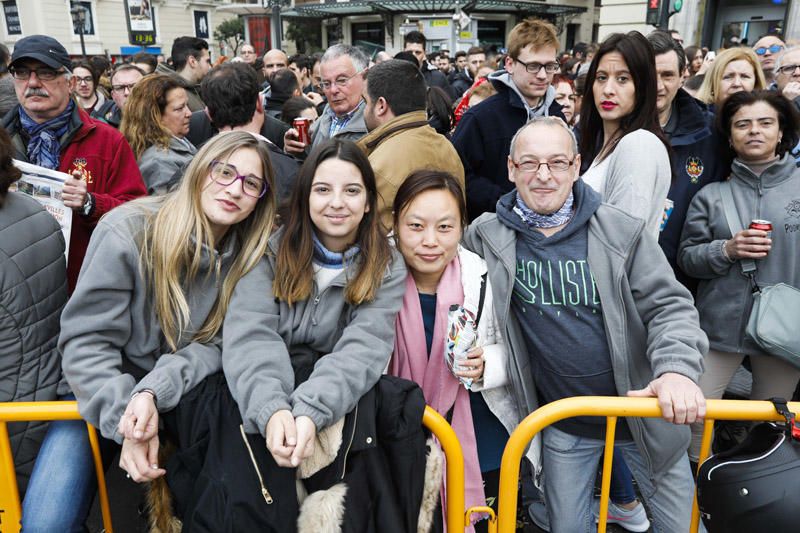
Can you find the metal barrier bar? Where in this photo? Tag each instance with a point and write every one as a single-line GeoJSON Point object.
{"type": "Point", "coordinates": [40, 411]}
{"type": "Point", "coordinates": [454, 486]}
{"type": "Point", "coordinates": [609, 407]}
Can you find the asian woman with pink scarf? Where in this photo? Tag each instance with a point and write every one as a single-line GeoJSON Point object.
{"type": "Point", "coordinates": [429, 217]}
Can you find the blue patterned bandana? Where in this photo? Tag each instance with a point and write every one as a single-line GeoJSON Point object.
{"type": "Point", "coordinates": [327, 259]}
{"type": "Point", "coordinates": [536, 220]}
{"type": "Point", "coordinates": [44, 146]}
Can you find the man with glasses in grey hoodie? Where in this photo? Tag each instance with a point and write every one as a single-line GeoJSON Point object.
{"type": "Point", "coordinates": [524, 91]}
{"type": "Point", "coordinates": [590, 307]}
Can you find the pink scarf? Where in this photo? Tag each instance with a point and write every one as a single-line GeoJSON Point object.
{"type": "Point", "coordinates": [441, 389]}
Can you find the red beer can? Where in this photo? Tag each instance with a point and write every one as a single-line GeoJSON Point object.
{"type": "Point", "coordinates": [302, 126]}
{"type": "Point", "coordinates": [763, 225]}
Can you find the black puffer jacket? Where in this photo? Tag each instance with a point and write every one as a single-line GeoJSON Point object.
{"type": "Point", "coordinates": [33, 291]}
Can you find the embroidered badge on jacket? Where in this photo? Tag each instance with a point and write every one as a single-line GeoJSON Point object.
{"type": "Point", "coordinates": [694, 168]}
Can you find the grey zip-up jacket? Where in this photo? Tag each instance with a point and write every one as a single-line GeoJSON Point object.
{"type": "Point", "coordinates": [353, 130]}
{"type": "Point", "coordinates": [650, 322]}
{"type": "Point", "coordinates": [163, 169]}
{"type": "Point", "coordinates": [111, 341]}
{"type": "Point", "coordinates": [266, 341]}
{"type": "Point", "coordinates": [724, 296]}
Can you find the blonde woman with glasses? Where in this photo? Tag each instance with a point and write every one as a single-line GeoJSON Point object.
{"type": "Point", "coordinates": [143, 326]}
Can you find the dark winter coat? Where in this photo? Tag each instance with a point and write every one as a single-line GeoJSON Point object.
{"type": "Point", "coordinates": [697, 159]}
{"type": "Point", "coordinates": [372, 480]}
{"type": "Point", "coordinates": [33, 291]}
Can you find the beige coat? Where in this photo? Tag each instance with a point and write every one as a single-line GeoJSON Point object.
{"type": "Point", "coordinates": [401, 146]}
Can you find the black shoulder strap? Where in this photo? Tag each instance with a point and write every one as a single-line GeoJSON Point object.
{"type": "Point", "coordinates": [481, 299]}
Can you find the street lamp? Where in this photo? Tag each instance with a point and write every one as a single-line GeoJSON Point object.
{"type": "Point", "coordinates": [79, 19]}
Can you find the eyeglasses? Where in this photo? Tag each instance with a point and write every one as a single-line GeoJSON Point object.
{"type": "Point", "coordinates": [122, 88]}
{"type": "Point", "coordinates": [788, 69]}
{"type": "Point", "coordinates": [556, 166]}
{"type": "Point", "coordinates": [774, 49]}
{"type": "Point", "coordinates": [43, 73]}
{"type": "Point", "coordinates": [87, 80]}
{"type": "Point", "coordinates": [535, 68]}
{"type": "Point", "coordinates": [224, 174]}
{"type": "Point", "coordinates": [341, 81]}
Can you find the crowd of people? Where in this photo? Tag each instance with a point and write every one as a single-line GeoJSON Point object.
{"type": "Point", "coordinates": [274, 261]}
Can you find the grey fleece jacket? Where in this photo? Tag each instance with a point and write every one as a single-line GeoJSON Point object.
{"type": "Point", "coordinates": [111, 341]}
{"type": "Point", "coordinates": [348, 346]}
{"type": "Point", "coordinates": [162, 169]}
{"type": "Point", "coordinates": [651, 324]}
{"type": "Point", "coordinates": [724, 296]}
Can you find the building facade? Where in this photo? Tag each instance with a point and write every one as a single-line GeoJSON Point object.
{"type": "Point", "coordinates": [452, 25]}
{"type": "Point", "coordinates": [711, 23]}
{"type": "Point", "coordinates": [106, 27]}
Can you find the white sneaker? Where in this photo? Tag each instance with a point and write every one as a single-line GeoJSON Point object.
{"type": "Point", "coordinates": [633, 520]}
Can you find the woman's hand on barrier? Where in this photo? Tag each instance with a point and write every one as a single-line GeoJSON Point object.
{"type": "Point", "coordinates": [140, 460]}
{"type": "Point", "coordinates": [306, 431]}
{"type": "Point", "coordinates": [281, 437]}
{"type": "Point", "coordinates": [748, 244]}
{"type": "Point", "coordinates": [680, 399]}
{"type": "Point", "coordinates": [474, 364]}
{"type": "Point", "coordinates": [140, 421]}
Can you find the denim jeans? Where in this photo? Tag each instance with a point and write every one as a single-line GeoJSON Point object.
{"type": "Point", "coordinates": [63, 481]}
{"type": "Point", "coordinates": [621, 490]}
{"type": "Point", "coordinates": [570, 467]}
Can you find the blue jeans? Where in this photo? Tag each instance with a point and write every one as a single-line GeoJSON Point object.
{"type": "Point", "coordinates": [621, 480]}
{"type": "Point", "coordinates": [570, 467]}
{"type": "Point", "coordinates": [63, 481]}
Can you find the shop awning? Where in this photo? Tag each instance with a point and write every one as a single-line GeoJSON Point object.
{"type": "Point", "coordinates": [385, 7]}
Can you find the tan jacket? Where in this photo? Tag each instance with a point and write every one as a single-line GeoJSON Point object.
{"type": "Point", "coordinates": [401, 146]}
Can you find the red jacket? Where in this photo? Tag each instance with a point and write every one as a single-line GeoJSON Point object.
{"type": "Point", "coordinates": [107, 164]}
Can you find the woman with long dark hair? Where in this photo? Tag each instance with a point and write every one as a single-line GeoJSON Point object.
{"type": "Point", "coordinates": [319, 309]}
{"type": "Point", "coordinates": [630, 168]}
{"type": "Point", "coordinates": [621, 143]}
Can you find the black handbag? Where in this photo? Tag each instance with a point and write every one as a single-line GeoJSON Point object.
{"type": "Point", "coordinates": [755, 486]}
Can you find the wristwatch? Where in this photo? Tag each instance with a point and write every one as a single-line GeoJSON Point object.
{"type": "Point", "coordinates": [88, 204]}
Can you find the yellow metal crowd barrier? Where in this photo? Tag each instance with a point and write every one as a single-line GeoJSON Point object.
{"type": "Point", "coordinates": [10, 508]}
{"type": "Point", "coordinates": [504, 522]}
{"type": "Point", "coordinates": [611, 408]}
{"type": "Point", "coordinates": [454, 477]}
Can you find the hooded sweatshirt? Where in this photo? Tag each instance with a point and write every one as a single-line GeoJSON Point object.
{"type": "Point", "coordinates": [483, 140]}
{"type": "Point", "coordinates": [564, 330]}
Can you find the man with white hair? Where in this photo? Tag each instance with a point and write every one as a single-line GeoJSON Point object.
{"type": "Point", "coordinates": [342, 69]}
{"type": "Point", "coordinates": [787, 74]}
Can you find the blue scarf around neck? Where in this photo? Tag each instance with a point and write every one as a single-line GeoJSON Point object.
{"type": "Point", "coordinates": [44, 146]}
{"type": "Point", "coordinates": [327, 259]}
{"type": "Point", "coordinates": [536, 220]}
